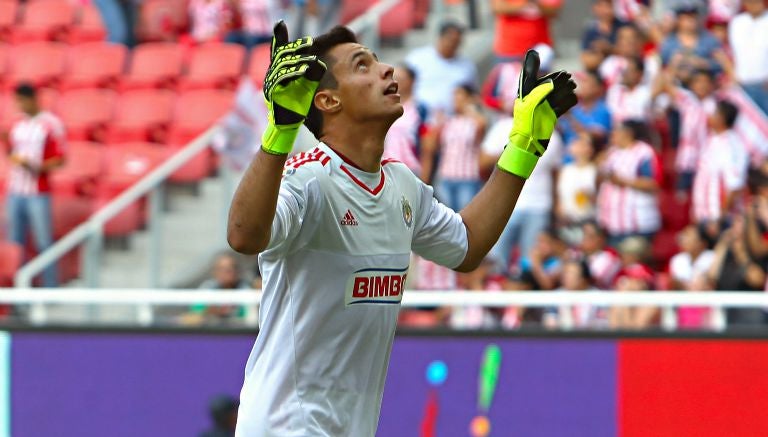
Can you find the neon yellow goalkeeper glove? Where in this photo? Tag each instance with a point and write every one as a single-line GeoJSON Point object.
{"type": "Point", "coordinates": [540, 101]}
{"type": "Point", "coordinates": [289, 88]}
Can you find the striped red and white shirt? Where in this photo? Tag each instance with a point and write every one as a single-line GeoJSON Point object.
{"type": "Point", "coordinates": [624, 210]}
{"type": "Point", "coordinates": [403, 136]}
{"type": "Point", "coordinates": [210, 19]}
{"type": "Point", "coordinates": [629, 104]}
{"type": "Point", "coordinates": [693, 127]}
{"type": "Point", "coordinates": [256, 18]}
{"type": "Point", "coordinates": [35, 139]}
{"type": "Point", "coordinates": [459, 149]}
{"type": "Point", "coordinates": [612, 68]}
{"type": "Point", "coordinates": [604, 266]}
{"type": "Point", "coordinates": [722, 170]}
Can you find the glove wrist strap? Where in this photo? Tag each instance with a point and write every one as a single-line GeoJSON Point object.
{"type": "Point", "coordinates": [278, 141]}
{"type": "Point", "coordinates": [516, 159]}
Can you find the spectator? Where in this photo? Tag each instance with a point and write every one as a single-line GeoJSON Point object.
{"type": "Point", "coordinates": [403, 140]}
{"type": "Point", "coordinates": [522, 24]}
{"type": "Point", "coordinates": [627, 201]}
{"type": "Point", "coordinates": [211, 19]}
{"type": "Point", "coordinates": [634, 276]}
{"type": "Point", "coordinates": [694, 105]}
{"type": "Point", "coordinates": [577, 185]}
{"type": "Point", "coordinates": [695, 258]}
{"type": "Point", "coordinates": [722, 170]}
{"type": "Point", "coordinates": [734, 268]}
{"type": "Point", "coordinates": [472, 316]}
{"type": "Point", "coordinates": [534, 207]}
{"type": "Point", "coordinates": [690, 47]}
{"type": "Point", "coordinates": [630, 99]}
{"type": "Point", "coordinates": [314, 17]}
{"type": "Point", "coordinates": [600, 33]}
{"type": "Point", "coordinates": [459, 140]}
{"type": "Point", "coordinates": [440, 69]}
{"type": "Point", "coordinates": [576, 278]}
{"type": "Point", "coordinates": [591, 115]}
{"type": "Point", "coordinates": [255, 23]}
{"type": "Point", "coordinates": [226, 275]}
{"type": "Point", "coordinates": [629, 46]}
{"type": "Point", "coordinates": [119, 17]}
{"type": "Point", "coordinates": [748, 35]}
{"type": "Point", "coordinates": [696, 317]}
{"type": "Point", "coordinates": [36, 149]}
{"type": "Point", "coordinates": [223, 410]}
{"type": "Point", "coordinates": [604, 263]}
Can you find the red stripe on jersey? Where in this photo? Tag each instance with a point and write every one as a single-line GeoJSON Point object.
{"type": "Point", "coordinates": [389, 161]}
{"type": "Point", "coordinates": [362, 185]}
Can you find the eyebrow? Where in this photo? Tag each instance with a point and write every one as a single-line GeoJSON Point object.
{"type": "Point", "coordinates": [363, 52]}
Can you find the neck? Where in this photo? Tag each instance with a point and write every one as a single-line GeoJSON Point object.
{"type": "Point", "coordinates": [757, 14]}
{"type": "Point", "coordinates": [360, 143]}
{"type": "Point", "coordinates": [695, 254]}
{"type": "Point", "coordinates": [719, 129]}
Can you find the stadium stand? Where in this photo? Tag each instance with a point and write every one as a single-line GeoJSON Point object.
{"type": "Point", "coordinates": [86, 113]}
{"type": "Point", "coordinates": [94, 65]}
{"type": "Point", "coordinates": [88, 27]}
{"type": "Point", "coordinates": [10, 261]}
{"type": "Point", "coordinates": [214, 65]}
{"type": "Point", "coordinates": [44, 20]}
{"type": "Point", "coordinates": [142, 115]}
{"type": "Point", "coordinates": [40, 63]}
{"type": "Point", "coordinates": [154, 65]}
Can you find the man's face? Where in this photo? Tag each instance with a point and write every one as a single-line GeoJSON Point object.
{"type": "Point", "coordinates": [631, 76]}
{"type": "Point", "coordinates": [701, 85]}
{"type": "Point", "coordinates": [225, 272]}
{"type": "Point", "coordinates": [449, 43]}
{"type": "Point", "coordinates": [627, 42]}
{"type": "Point", "coordinates": [603, 9]}
{"type": "Point", "coordinates": [27, 105]}
{"type": "Point", "coordinates": [366, 88]}
{"type": "Point", "coordinates": [754, 7]}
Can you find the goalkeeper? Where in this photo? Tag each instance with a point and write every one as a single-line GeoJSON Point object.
{"type": "Point", "coordinates": [334, 229]}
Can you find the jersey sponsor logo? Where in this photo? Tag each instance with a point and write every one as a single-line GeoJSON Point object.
{"type": "Point", "coordinates": [407, 212]}
{"type": "Point", "coordinates": [376, 286]}
{"type": "Point", "coordinates": [349, 219]}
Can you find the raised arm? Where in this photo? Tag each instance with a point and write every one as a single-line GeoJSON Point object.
{"type": "Point", "coordinates": [289, 88]}
{"type": "Point", "coordinates": [539, 103]}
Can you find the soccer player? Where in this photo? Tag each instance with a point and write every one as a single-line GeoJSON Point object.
{"type": "Point", "coordinates": [335, 226]}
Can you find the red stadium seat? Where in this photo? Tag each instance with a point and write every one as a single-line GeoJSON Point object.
{"type": "Point", "coordinates": [89, 27]}
{"type": "Point", "coordinates": [142, 115]}
{"type": "Point", "coordinates": [69, 212]}
{"type": "Point", "coordinates": [398, 20]}
{"type": "Point", "coordinates": [127, 163]}
{"type": "Point", "coordinates": [258, 63]}
{"type": "Point", "coordinates": [92, 65]}
{"type": "Point", "coordinates": [196, 111]}
{"type": "Point", "coordinates": [44, 20]}
{"type": "Point", "coordinates": [162, 20]}
{"type": "Point", "coordinates": [4, 169]}
{"type": "Point", "coordinates": [8, 15]}
{"type": "Point", "coordinates": [214, 65]}
{"type": "Point", "coordinates": [420, 13]}
{"type": "Point", "coordinates": [154, 65]}
{"type": "Point", "coordinates": [11, 258]}
{"type": "Point", "coordinates": [4, 62]}
{"type": "Point", "coordinates": [41, 63]}
{"type": "Point", "coordinates": [351, 9]}
{"type": "Point", "coordinates": [86, 112]}
{"type": "Point", "coordinates": [84, 166]}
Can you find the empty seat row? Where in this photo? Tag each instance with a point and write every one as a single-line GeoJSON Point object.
{"type": "Point", "coordinates": [49, 20]}
{"type": "Point", "coordinates": [151, 65]}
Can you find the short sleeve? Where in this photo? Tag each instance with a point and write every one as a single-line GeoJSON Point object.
{"type": "Point", "coordinates": [439, 235]}
{"type": "Point", "coordinates": [292, 204]}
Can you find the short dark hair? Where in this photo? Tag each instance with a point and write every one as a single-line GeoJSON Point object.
{"type": "Point", "coordinates": [596, 76]}
{"type": "Point", "coordinates": [449, 25]}
{"type": "Point", "coordinates": [25, 90]}
{"type": "Point", "coordinates": [728, 111]}
{"type": "Point", "coordinates": [637, 128]}
{"type": "Point", "coordinates": [321, 46]}
{"type": "Point", "coordinates": [704, 72]}
{"type": "Point", "coordinates": [468, 88]}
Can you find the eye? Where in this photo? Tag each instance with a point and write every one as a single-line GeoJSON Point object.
{"type": "Point", "coordinates": [361, 66]}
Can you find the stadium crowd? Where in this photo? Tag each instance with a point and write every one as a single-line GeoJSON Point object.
{"type": "Point", "coordinates": [657, 180]}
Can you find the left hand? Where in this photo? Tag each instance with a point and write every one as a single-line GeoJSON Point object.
{"type": "Point", "coordinates": [539, 103]}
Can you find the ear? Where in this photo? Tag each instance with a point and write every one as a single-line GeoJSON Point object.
{"type": "Point", "coordinates": [327, 101]}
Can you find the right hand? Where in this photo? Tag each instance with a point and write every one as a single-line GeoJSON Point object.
{"type": "Point", "coordinates": [289, 88]}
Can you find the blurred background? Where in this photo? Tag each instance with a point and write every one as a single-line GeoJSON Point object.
{"type": "Point", "coordinates": [625, 296]}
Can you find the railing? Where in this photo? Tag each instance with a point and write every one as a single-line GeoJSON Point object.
{"type": "Point", "coordinates": [91, 232]}
{"type": "Point", "coordinates": [145, 299]}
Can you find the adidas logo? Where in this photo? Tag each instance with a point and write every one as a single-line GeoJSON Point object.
{"type": "Point", "coordinates": [348, 219]}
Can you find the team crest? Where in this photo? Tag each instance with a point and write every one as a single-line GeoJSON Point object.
{"type": "Point", "coordinates": [407, 212]}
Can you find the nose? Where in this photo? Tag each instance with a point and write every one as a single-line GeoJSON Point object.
{"type": "Point", "coordinates": [388, 71]}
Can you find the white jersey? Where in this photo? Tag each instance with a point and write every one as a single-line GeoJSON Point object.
{"type": "Point", "coordinates": [334, 274]}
